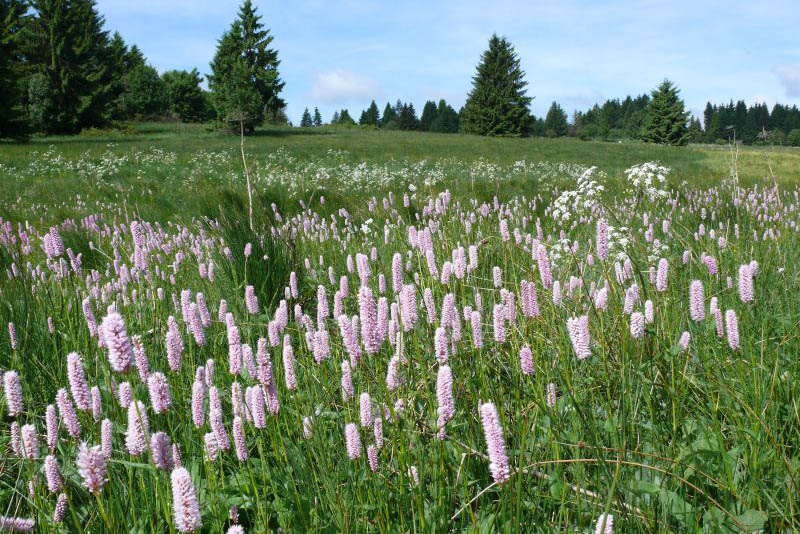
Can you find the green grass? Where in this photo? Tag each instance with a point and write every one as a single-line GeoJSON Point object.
{"type": "Point", "coordinates": [665, 439]}
{"type": "Point", "coordinates": [193, 170]}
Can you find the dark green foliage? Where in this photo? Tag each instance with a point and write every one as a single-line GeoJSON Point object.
{"type": "Point", "coordinates": [753, 124]}
{"type": "Point", "coordinates": [144, 93]}
{"type": "Point", "coordinates": [306, 121]}
{"type": "Point", "coordinates": [497, 104]}
{"type": "Point", "coordinates": [12, 89]}
{"type": "Point", "coordinates": [666, 118]}
{"type": "Point", "coordinates": [555, 123]}
{"type": "Point", "coordinates": [695, 130]}
{"type": "Point", "coordinates": [40, 104]}
{"type": "Point", "coordinates": [244, 82]}
{"type": "Point", "coordinates": [277, 117]}
{"type": "Point", "coordinates": [389, 115]}
{"type": "Point", "coordinates": [345, 118]}
{"type": "Point", "coordinates": [67, 45]}
{"type": "Point", "coordinates": [317, 117]}
{"type": "Point", "coordinates": [370, 116]}
{"type": "Point", "coordinates": [428, 116]}
{"type": "Point", "coordinates": [185, 98]}
{"type": "Point", "coordinates": [625, 117]}
{"type": "Point", "coordinates": [793, 139]}
{"type": "Point", "coordinates": [446, 120]}
{"type": "Point", "coordinates": [407, 117]}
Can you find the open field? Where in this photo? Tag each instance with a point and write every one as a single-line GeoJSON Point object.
{"type": "Point", "coordinates": [414, 333]}
{"type": "Point", "coordinates": [145, 166]}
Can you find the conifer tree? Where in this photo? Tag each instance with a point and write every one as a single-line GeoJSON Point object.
{"type": "Point", "coordinates": [73, 84]}
{"type": "Point", "coordinates": [695, 131]}
{"type": "Point", "coordinates": [12, 94]}
{"type": "Point", "coordinates": [306, 121]}
{"type": "Point", "coordinates": [345, 118]}
{"type": "Point", "coordinates": [371, 115]}
{"type": "Point", "coordinates": [244, 82]}
{"type": "Point", "coordinates": [497, 104]}
{"type": "Point", "coordinates": [317, 117]}
{"type": "Point", "coordinates": [407, 117]}
{"type": "Point", "coordinates": [428, 116]}
{"type": "Point", "coordinates": [555, 122]}
{"type": "Point", "coordinates": [446, 120]}
{"type": "Point", "coordinates": [666, 118]}
{"type": "Point", "coordinates": [389, 115]}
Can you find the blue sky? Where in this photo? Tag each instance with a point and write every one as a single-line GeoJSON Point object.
{"type": "Point", "coordinates": [338, 54]}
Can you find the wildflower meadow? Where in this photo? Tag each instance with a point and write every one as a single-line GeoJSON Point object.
{"type": "Point", "coordinates": [458, 347]}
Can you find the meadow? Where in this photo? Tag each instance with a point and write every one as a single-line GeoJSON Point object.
{"type": "Point", "coordinates": [415, 333]}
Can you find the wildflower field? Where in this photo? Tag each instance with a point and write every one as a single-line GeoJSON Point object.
{"type": "Point", "coordinates": [397, 344]}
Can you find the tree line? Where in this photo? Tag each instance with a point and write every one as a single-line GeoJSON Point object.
{"type": "Point", "coordinates": [61, 72]}
{"type": "Point", "coordinates": [441, 117]}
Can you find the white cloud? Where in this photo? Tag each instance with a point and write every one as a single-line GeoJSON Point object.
{"type": "Point", "coordinates": [789, 75]}
{"type": "Point", "coordinates": [341, 86]}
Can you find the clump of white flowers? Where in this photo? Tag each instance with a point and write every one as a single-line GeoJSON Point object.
{"type": "Point", "coordinates": [583, 200]}
{"type": "Point", "coordinates": [648, 178]}
{"type": "Point", "coordinates": [618, 243]}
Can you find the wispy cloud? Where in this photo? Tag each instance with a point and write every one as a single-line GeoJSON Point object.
{"type": "Point", "coordinates": [341, 86]}
{"type": "Point", "coordinates": [789, 76]}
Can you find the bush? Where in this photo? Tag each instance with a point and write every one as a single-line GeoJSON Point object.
{"type": "Point", "coordinates": [793, 139]}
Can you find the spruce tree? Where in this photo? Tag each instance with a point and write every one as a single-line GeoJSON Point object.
{"type": "Point", "coordinates": [428, 116]}
{"type": "Point", "coordinates": [12, 93]}
{"type": "Point", "coordinates": [555, 123]}
{"type": "Point", "coordinates": [497, 104]}
{"type": "Point", "coordinates": [73, 86]}
{"type": "Point", "coordinates": [446, 120]}
{"type": "Point", "coordinates": [666, 118]}
{"type": "Point", "coordinates": [389, 116]}
{"type": "Point", "coordinates": [407, 117]}
{"type": "Point", "coordinates": [345, 118]}
{"type": "Point", "coordinates": [317, 117]}
{"type": "Point", "coordinates": [371, 116]}
{"type": "Point", "coordinates": [244, 82]}
{"type": "Point", "coordinates": [306, 121]}
{"type": "Point", "coordinates": [695, 131]}
{"type": "Point", "coordinates": [335, 118]}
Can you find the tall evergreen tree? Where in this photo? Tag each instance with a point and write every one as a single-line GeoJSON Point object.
{"type": "Point", "coordinates": [345, 118]}
{"type": "Point", "coordinates": [389, 115]}
{"type": "Point", "coordinates": [371, 115]}
{"type": "Point", "coordinates": [555, 123]}
{"type": "Point", "coordinates": [695, 131]}
{"type": "Point", "coordinates": [497, 104]}
{"type": "Point", "coordinates": [428, 116]}
{"type": "Point", "coordinates": [666, 118]}
{"type": "Point", "coordinates": [306, 121]}
{"type": "Point", "coordinates": [407, 117]}
{"type": "Point", "coordinates": [12, 93]}
{"type": "Point", "coordinates": [446, 120]}
{"type": "Point", "coordinates": [317, 117]}
{"type": "Point", "coordinates": [73, 86]}
{"type": "Point", "coordinates": [244, 82]}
